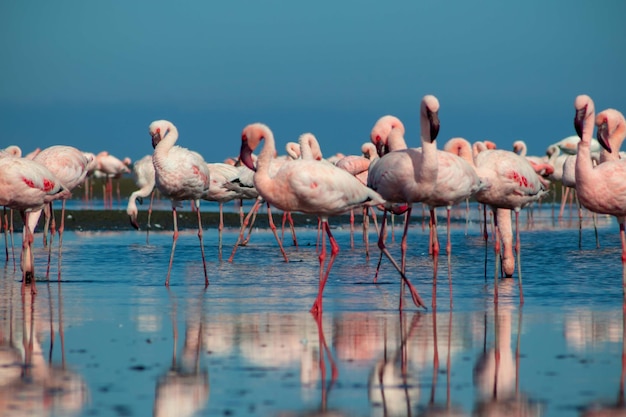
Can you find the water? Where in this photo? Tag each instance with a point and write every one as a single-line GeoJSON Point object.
{"type": "Point", "coordinates": [111, 340]}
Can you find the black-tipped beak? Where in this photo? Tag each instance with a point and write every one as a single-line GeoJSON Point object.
{"type": "Point", "coordinates": [133, 222]}
{"type": "Point", "coordinates": [381, 149]}
{"type": "Point", "coordinates": [245, 155]}
{"type": "Point", "coordinates": [156, 138]}
{"type": "Point", "coordinates": [433, 120]}
{"type": "Point", "coordinates": [578, 121]}
{"type": "Point", "coordinates": [603, 136]}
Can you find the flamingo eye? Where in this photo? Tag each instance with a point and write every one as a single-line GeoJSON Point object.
{"type": "Point", "coordinates": [378, 139]}
{"type": "Point", "coordinates": [158, 130]}
{"type": "Point", "coordinates": [244, 137]}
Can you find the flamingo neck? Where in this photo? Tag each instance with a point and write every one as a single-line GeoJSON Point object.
{"type": "Point", "coordinates": [168, 140]}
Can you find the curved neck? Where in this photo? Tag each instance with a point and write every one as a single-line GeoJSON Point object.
{"type": "Point", "coordinates": [170, 136]}
{"type": "Point", "coordinates": [267, 153]}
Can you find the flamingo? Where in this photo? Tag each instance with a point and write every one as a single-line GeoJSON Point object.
{"type": "Point", "coordinates": [112, 168]}
{"type": "Point", "coordinates": [514, 184]}
{"type": "Point", "coordinates": [221, 174]}
{"type": "Point", "coordinates": [180, 175]}
{"type": "Point", "coordinates": [601, 189]}
{"type": "Point", "coordinates": [405, 175]}
{"type": "Point", "coordinates": [143, 174]}
{"type": "Point", "coordinates": [70, 166]}
{"type": "Point", "coordinates": [308, 186]}
{"type": "Point", "coordinates": [359, 167]}
{"type": "Point", "coordinates": [27, 185]}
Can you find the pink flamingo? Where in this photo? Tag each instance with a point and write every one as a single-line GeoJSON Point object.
{"type": "Point", "coordinates": [70, 166]}
{"type": "Point", "coordinates": [308, 186]}
{"type": "Point", "coordinates": [221, 175]}
{"type": "Point", "coordinates": [143, 174]}
{"type": "Point", "coordinates": [514, 184]}
{"type": "Point", "coordinates": [601, 189]}
{"type": "Point", "coordinates": [27, 185]}
{"type": "Point", "coordinates": [359, 167]}
{"type": "Point", "coordinates": [180, 175]}
{"type": "Point", "coordinates": [112, 168]}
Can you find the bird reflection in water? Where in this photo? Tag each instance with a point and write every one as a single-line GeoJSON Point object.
{"type": "Point", "coordinates": [619, 408]}
{"type": "Point", "coordinates": [30, 384]}
{"type": "Point", "coordinates": [183, 390]}
{"type": "Point", "coordinates": [496, 374]}
{"type": "Point", "coordinates": [326, 386]}
{"type": "Point", "coordinates": [393, 390]}
{"type": "Point", "coordinates": [446, 409]}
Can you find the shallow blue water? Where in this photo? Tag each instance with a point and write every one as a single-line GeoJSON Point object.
{"type": "Point", "coordinates": [247, 345]}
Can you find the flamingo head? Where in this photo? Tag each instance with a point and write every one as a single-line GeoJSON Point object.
{"type": "Point", "coordinates": [430, 110]}
{"type": "Point", "coordinates": [381, 131]}
{"type": "Point", "coordinates": [158, 130]}
{"type": "Point", "coordinates": [518, 146]}
{"type": "Point", "coordinates": [611, 124]}
{"type": "Point", "coordinates": [584, 108]}
{"type": "Point", "coordinates": [251, 137]}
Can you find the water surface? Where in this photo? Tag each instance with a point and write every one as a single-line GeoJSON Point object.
{"type": "Point", "coordinates": [111, 340]}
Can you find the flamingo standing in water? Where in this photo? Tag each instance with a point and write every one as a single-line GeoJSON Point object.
{"type": "Point", "coordinates": [143, 174]}
{"type": "Point", "coordinates": [308, 186]}
{"type": "Point", "coordinates": [70, 166]}
{"type": "Point", "coordinates": [112, 168]}
{"type": "Point", "coordinates": [27, 185]}
{"type": "Point", "coordinates": [602, 188]}
{"type": "Point", "coordinates": [359, 167]}
{"type": "Point", "coordinates": [180, 174]}
{"type": "Point", "coordinates": [514, 184]}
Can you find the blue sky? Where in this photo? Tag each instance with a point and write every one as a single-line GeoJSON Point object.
{"type": "Point", "coordinates": [94, 74]}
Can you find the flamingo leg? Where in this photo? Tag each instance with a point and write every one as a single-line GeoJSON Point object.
{"type": "Point", "coordinates": [6, 236]}
{"type": "Point", "coordinates": [49, 213]}
{"type": "Point", "coordinates": [61, 229]}
{"type": "Point", "coordinates": [149, 215]}
{"type": "Point", "coordinates": [435, 253]}
{"type": "Point", "coordinates": [13, 243]}
{"type": "Point", "coordinates": [417, 300]}
{"type": "Point", "coordinates": [200, 233]}
{"type": "Point", "coordinates": [282, 227]}
{"type": "Point", "coordinates": [254, 213]}
{"type": "Point", "coordinates": [622, 235]}
{"type": "Point", "coordinates": [381, 244]}
{"type": "Point", "coordinates": [174, 239]}
{"type": "Point", "coordinates": [366, 238]}
{"type": "Point", "coordinates": [403, 242]}
{"type": "Point", "coordinates": [27, 261]}
{"type": "Point", "coordinates": [293, 229]}
{"type": "Point", "coordinates": [449, 253]}
{"type": "Point", "coordinates": [220, 227]}
{"type": "Point", "coordinates": [519, 261]}
{"type": "Point", "coordinates": [497, 259]}
{"type": "Point", "coordinates": [334, 250]}
{"type": "Point", "coordinates": [255, 207]}
{"type": "Point", "coordinates": [273, 227]}
{"type": "Point", "coordinates": [351, 228]}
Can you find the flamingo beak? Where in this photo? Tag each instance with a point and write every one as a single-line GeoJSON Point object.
{"type": "Point", "coordinates": [133, 222]}
{"type": "Point", "coordinates": [603, 136]}
{"type": "Point", "coordinates": [578, 121]}
{"type": "Point", "coordinates": [156, 138]}
{"type": "Point", "coordinates": [245, 154]}
{"type": "Point", "coordinates": [381, 149]}
{"type": "Point", "coordinates": [433, 119]}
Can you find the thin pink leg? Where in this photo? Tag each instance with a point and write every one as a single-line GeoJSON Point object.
{"type": "Point", "coordinates": [403, 242]}
{"type": "Point", "coordinates": [200, 233]}
{"type": "Point", "coordinates": [417, 300]}
{"type": "Point", "coordinates": [174, 239]}
{"type": "Point", "coordinates": [351, 228]}
{"type": "Point", "coordinates": [273, 227]}
{"type": "Point", "coordinates": [334, 250]}
{"type": "Point", "coordinates": [255, 207]}
{"type": "Point", "coordinates": [293, 229]}
{"type": "Point", "coordinates": [61, 230]}
{"type": "Point", "coordinates": [220, 228]}
{"type": "Point", "coordinates": [149, 215]}
{"type": "Point", "coordinates": [623, 239]}
{"type": "Point", "coordinates": [519, 260]}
